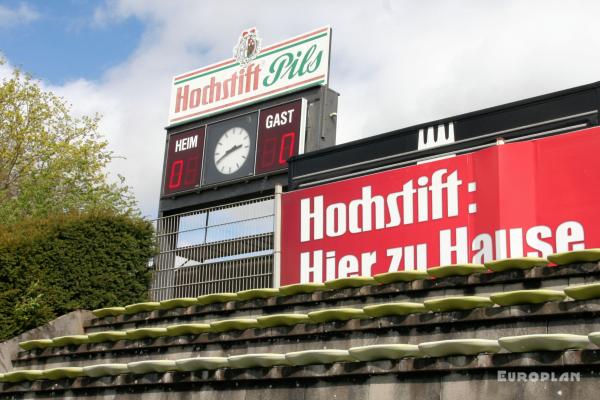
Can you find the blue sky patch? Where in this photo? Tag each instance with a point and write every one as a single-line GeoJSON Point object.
{"type": "Point", "coordinates": [61, 43]}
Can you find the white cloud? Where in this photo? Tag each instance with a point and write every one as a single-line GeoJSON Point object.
{"type": "Point", "coordinates": [22, 14]}
{"type": "Point", "coordinates": [395, 63]}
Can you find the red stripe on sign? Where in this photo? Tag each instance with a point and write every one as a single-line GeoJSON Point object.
{"type": "Point", "coordinates": [294, 39]}
{"type": "Point", "coordinates": [247, 99]}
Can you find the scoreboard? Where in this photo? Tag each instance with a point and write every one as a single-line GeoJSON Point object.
{"type": "Point", "coordinates": [243, 153]}
{"type": "Point", "coordinates": [233, 125]}
{"type": "Point", "coordinates": [234, 149]}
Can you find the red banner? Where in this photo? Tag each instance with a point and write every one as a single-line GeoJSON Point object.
{"type": "Point", "coordinates": [529, 198]}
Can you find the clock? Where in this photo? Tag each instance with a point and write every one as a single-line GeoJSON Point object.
{"type": "Point", "coordinates": [232, 150]}
{"type": "Point", "coordinates": [229, 149]}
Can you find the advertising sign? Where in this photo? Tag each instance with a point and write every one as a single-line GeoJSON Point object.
{"type": "Point", "coordinates": [255, 74]}
{"type": "Point", "coordinates": [529, 198]}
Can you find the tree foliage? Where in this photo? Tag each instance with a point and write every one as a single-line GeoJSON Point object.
{"type": "Point", "coordinates": [53, 265]}
{"type": "Point", "coordinates": [51, 161]}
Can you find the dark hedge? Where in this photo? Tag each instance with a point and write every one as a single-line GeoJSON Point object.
{"type": "Point", "coordinates": [51, 266]}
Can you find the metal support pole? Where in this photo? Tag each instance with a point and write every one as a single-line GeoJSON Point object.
{"type": "Point", "coordinates": [277, 237]}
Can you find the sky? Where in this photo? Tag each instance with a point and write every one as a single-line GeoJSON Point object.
{"type": "Point", "coordinates": [394, 63]}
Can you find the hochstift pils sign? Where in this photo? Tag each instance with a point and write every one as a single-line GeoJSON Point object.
{"type": "Point", "coordinates": [254, 74]}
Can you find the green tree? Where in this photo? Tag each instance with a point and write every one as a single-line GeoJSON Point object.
{"type": "Point", "coordinates": [51, 161]}
{"type": "Point", "coordinates": [52, 265]}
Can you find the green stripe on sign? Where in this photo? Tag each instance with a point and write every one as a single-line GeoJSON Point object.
{"type": "Point", "coordinates": [260, 56]}
{"type": "Point", "coordinates": [208, 73]}
{"type": "Point", "coordinates": [292, 45]}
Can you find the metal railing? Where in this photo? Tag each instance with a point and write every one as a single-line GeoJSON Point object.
{"type": "Point", "coordinates": [226, 248]}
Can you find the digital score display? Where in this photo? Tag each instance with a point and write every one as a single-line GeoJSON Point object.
{"type": "Point", "coordinates": [183, 166]}
{"type": "Point", "coordinates": [251, 144]}
{"type": "Point", "coordinates": [280, 136]}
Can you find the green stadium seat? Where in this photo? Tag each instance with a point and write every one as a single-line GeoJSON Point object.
{"type": "Point", "coordinates": [22, 375]}
{"type": "Point", "coordinates": [268, 321]}
{"type": "Point", "coordinates": [234, 324]}
{"type": "Point", "coordinates": [109, 312]}
{"type": "Point", "coordinates": [150, 366]}
{"type": "Point", "coordinates": [106, 336]}
{"type": "Point", "coordinates": [466, 347]}
{"type": "Point", "coordinates": [142, 307]}
{"type": "Point", "coordinates": [264, 360]}
{"type": "Point", "coordinates": [594, 337]}
{"type": "Point", "coordinates": [455, 269]}
{"type": "Point", "coordinates": [400, 276]}
{"type": "Point", "coordinates": [36, 344]}
{"type": "Point", "coordinates": [335, 314]}
{"type": "Point", "coordinates": [308, 357]}
{"type": "Point", "coordinates": [176, 303]}
{"type": "Point", "coordinates": [257, 294]}
{"type": "Point", "coordinates": [386, 309]}
{"type": "Point", "coordinates": [69, 340]}
{"type": "Point", "coordinates": [298, 288]}
{"type": "Point", "coordinates": [516, 263]}
{"type": "Point", "coordinates": [188, 329]}
{"type": "Point", "coordinates": [533, 296]}
{"type": "Point", "coordinates": [543, 342]}
{"type": "Point", "coordinates": [198, 363]}
{"type": "Point", "coordinates": [583, 292]}
{"type": "Point", "coordinates": [216, 298]}
{"type": "Point", "coordinates": [143, 333]}
{"type": "Point", "coordinates": [96, 371]}
{"type": "Point", "coordinates": [352, 282]}
{"type": "Point", "coordinates": [384, 352]}
{"type": "Point", "coordinates": [576, 256]}
{"type": "Point", "coordinates": [452, 303]}
{"type": "Point", "coordinates": [54, 374]}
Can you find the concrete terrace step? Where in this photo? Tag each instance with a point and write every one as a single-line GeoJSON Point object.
{"type": "Point", "coordinates": [443, 348]}
{"type": "Point", "coordinates": [579, 317]}
{"type": "Point", "coordinates": [418, 290]}
{"type": "Point", "coordinates": [428, 377]}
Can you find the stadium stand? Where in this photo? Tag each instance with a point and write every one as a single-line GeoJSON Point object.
{"type": "Point", "coordinates": [401, 336]}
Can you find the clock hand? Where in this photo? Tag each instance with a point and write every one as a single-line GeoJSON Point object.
{"type": "Point", "coordinates": [228, 152]}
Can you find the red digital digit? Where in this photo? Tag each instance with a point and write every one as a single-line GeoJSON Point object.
{"type": "Point", "coordinates": [183, 164]}
{"type": "Point", "coordinates": [270, 150]}
{"type": "Point", "coordinates": [286, 152]}
{"type": "Point", "coordinates": [279, 136]}
{"type": "Point", "coordinates": [176, 172]}
{"type": "Point", "coordinates": [191, 172]}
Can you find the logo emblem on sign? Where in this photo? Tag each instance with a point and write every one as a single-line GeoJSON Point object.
{"type": "Point", "coordinates": [247, 48]}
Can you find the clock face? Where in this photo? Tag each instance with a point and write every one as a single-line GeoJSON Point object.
{"type": "Point", "coordinates": [232, 150]}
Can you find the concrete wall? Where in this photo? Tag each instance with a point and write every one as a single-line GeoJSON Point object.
{"type": "Point", "coordinates": [453, 386]}
{"type": "Point", "coordinates": [70, 324]}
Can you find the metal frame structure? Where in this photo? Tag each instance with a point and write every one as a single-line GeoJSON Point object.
{"type": "Point", "coordinates": [214, 256]}
{"type": "Point", "coordinates": [550, 114]}
{"type": "Point", "coordinates": [226, 248]}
